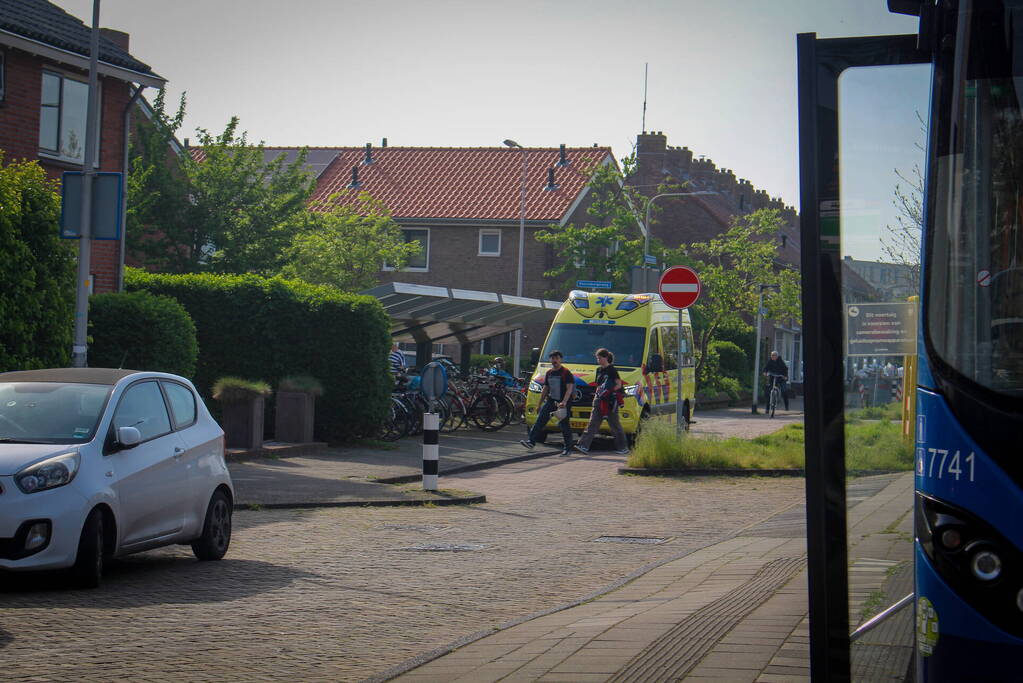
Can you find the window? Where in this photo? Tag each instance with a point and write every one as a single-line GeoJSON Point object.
{"type": "Point", "coordinates": [62, 117]}
{"type": "Point", "coordinates": [669, 343]}
{"type": "Point", "coordinates": [142, 407]}
{"type": "Point", "coordinates": [421, 261]}
{"type": "Point", "coordinates": [182, 404]}
{"type": "Point", "coordinates": [655, 348]}
{"type": "Point", "coordinates": [490, 242]}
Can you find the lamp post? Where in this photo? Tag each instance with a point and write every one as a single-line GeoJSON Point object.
{"type": "Point", "coordinates": [517, 351]}
{"type": "Point", "coordinates": [646, 225]}
{"type": "Point", "coordinates": [756, 346]}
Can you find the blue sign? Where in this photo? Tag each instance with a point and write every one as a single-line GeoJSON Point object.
{"type": "Point", "coordinates": [593, 284]}
{"type": "Point", "coordinates": [651, 259]}
{"type": "Point", "coordinates": [106, 206]}
{"type": "Point", "coordinates": [434, 381]}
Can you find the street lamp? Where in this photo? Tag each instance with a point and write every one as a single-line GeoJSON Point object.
{"type": "Point", "coordinates": [517, 353]}
{"type": "Point", "coordinates": [646, 224]}
{"type": "Point", "coordinates": [756, 346]}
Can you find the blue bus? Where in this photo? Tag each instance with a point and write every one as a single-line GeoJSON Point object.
{"type": "Point", "coordinates": [968, 500]}
{"type": "Point", "coordinates": [969, 475]}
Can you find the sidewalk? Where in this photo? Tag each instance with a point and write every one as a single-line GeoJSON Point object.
{"type": "Point", "coordinates": [366, 475]}
{"type": "Point", "coordinates": [732, 611]}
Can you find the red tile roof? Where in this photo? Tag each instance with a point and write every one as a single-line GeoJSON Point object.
{"type": "Point", "coordinates": [481, 183]}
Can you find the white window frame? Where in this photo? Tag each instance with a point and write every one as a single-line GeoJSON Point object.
{"type": "Point", "coordinates": [52, 154]}
{"type": "Point", "coordinates": [415, 269]}
{"type": "Point", "coordinates": [488, 231]}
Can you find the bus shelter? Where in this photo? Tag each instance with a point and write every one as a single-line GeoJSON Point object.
{"type": "Point", "coordinates": [428, 315]}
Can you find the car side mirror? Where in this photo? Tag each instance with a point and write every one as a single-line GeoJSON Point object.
{"type": "Point", "coordinates": [128, 437]}
{"type": "Point", "coordinates": [656, 363]}
{"type": "Point", "coordinates": [534, 356]}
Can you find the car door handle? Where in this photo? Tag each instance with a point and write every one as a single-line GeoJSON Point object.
{"type": "Point", "coordinates": [178, 451]}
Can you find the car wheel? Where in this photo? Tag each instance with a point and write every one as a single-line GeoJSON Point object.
{"type": "Point", "coordinates": [216, 529]}
{"type": "Point", "coordinates": [87, 571]}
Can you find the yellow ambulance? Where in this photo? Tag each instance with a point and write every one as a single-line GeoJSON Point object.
{"type": "Point", "coordinates": [642, 333]}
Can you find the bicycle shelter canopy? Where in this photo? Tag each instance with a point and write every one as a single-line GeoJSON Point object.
{"type": "Point", "coordinates": [427, 314]}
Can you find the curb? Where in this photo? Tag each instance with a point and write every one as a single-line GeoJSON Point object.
{"type": "Point", "coordinates": [647, 472]}
{"type": "Point", "coordinates": [440, 502]}
{"type": "Point", "coordinates": [409, 478]}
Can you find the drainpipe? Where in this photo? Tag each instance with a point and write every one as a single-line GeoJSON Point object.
{"type": "Point", "coordinates": [124, 179]}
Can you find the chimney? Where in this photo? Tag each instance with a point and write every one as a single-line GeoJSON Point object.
{"type": "Point", "coordinates": [369, 154]}
{"type": "Point", "coordinates": [551, 186]}
{"type": "Point", "coordinates": [383, 143]}
{"type": "Point", "coordinates": [186, 143]}
{"type": "Point", "coordinates": [118, 38]}
{"type": "Point", "coordinates": [562, 159]}
{"type": "Point", "coordinates": [355, 178]}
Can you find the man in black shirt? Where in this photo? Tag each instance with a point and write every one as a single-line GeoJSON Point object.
{"type": "Point", "coordinates": [557, 392]}
{"type": "Point", "coordinates": [776, 366]}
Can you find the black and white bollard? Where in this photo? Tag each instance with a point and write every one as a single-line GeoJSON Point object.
{"type": "Point", "coordinates": [431, 459]}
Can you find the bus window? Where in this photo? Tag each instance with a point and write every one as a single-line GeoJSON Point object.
{"type": "Point", "coordinates": [669, 343]}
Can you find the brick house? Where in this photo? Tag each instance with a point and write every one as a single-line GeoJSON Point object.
{"type": "Point", "coordinates": [684, 220]}
{"type": "Point", "coordinates": [43, 93]}
{"type": "Point", "coordinates": [463, 205]}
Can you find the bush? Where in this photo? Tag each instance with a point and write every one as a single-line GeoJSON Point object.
{"type": "Point", "coordinates": [236, 389]}
{"type": "Point", "coordinates": [481, 361]}
{"type": "Point", "coordinates": [143, 332]}
{"type": "Point", "coordinates": [37, 277]}
{"type": "Point", "coordinates": [732, 361]}
{"type": "Point", "coordinates": [250, 326]}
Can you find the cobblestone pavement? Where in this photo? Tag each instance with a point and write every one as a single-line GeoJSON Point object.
{"type": "Point", "coordinates": [341, 594]}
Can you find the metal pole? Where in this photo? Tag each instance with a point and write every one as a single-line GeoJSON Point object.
{"type": "Point", "coordinates": [431, 452]}
{"type": "Point", "coordinates": [678, 380]}
{"type": "Point", "coordinates": [756, 351]}
{"type": "Point", "coordinates": [79, 350]}
{"type": "Point", "coordinates": [517, 356]}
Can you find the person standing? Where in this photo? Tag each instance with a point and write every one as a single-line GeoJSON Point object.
{"type": "Point", "coordinates": [396, 359]}
{"type": "Point", "coordinates": [608, 397]}
{"type": "Point", "coordinates": [556, 395]}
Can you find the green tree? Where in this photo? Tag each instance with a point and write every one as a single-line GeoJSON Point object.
{"type": "Point", "coordinates": [344, 246]}
{"type": "Point", "coordinates": [606, 247]}
{"type": "Point", "coordinates": [37, 274]}
{"type": "Point", "coordinates": [730, 267]}
{"type": "Point", "coordinates": [226, 210]}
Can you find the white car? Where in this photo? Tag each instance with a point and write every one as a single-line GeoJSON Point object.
{"type": "Point", "coordinates": [98, 463]}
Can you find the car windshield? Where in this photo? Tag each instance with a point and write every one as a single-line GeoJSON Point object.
{"type": "Point", "coordinates": [578, 342]}
{"type": "Point", "coordinates": [50, 412]}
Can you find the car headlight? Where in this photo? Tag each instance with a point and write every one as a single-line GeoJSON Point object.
{"type": "Point", "coordinates": [535, 387]}
{"type": "Point", "coordinates": [48, 474]}
{"type": "Point", "coordinates": [631, 389]}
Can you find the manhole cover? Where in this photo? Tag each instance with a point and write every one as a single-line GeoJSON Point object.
{"type": "Point", "coordinates": [444, 547]}
{"type": "Point", "coordinates": [649, 540]}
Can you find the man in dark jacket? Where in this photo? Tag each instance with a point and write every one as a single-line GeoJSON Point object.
{"type": "Point", "coordinates": [776, 366]}
{"type": "Point", "coordinates": [558, 390]}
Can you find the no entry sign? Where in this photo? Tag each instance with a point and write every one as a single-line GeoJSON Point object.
{"type": "Point", "coordinates": [679, 287]}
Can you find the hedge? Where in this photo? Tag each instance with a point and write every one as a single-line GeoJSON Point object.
{"type": "Point", "coordinates": [141, 331]}
{"type": "Point", "coordinates": [270, 328]}
{"type": "Point", "coordinates": [37, 272]}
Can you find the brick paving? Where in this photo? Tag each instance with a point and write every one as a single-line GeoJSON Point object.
{"type": "Point", "coordinates": [343, 594]}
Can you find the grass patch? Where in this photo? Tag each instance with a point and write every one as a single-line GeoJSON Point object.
{"type": "Point", "coordinates": [872, 605]}
{"type": "Point", "coordinates": [887, 411]}
{"type": "Point", "coordinates": [869, 446]}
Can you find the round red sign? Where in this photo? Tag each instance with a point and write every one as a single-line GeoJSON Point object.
{"type": "Point", "coordinates": [679, 287]}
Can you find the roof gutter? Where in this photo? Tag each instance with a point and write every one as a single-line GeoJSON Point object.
{"type": "Point", "coordinates": [76, 60]}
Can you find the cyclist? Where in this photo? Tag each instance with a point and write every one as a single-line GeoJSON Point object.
{"type": "Point", "coordinates": [776, 366]}
{"type": "Point", "coordinates": [497, 370]}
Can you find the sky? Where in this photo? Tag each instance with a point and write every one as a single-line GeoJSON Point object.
{"type": "Point", "coordinates": [471, 73]}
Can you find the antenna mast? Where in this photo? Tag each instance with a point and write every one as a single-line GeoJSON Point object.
{"type": "Point", "coordinates": [646, 67]}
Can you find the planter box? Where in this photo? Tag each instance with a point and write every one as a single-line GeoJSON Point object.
{"type": "Point", "coordinates": [294, 420]}
{"type": "Point", "coordinates": [243, 423]}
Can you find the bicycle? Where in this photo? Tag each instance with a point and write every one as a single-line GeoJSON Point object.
{"type": "Point", "coordinates": [774, 397]}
